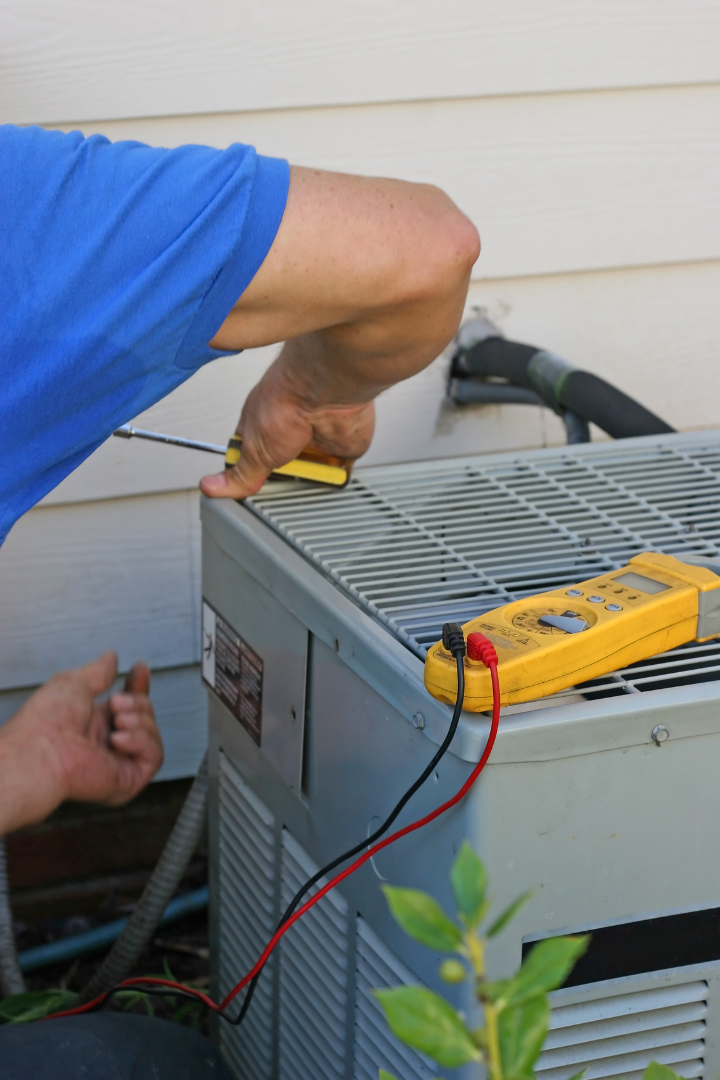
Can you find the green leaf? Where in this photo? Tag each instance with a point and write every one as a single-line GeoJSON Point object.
{"type": "Point", "coordinates": [386, 1075]}
{"type": "Point", "coordinates": [189, 1008]}
{"type": "Point", "coordinates": [426, 1021]}
{"type": "Point", "coordinates": [133, 998]}
{"type": "Point", "coordinates": [579, 1075]}
{"type": "Point", "coordinates": [545, 968]}
{"type": "Point", "coordinates": [521, 1033]}
{"type": "Point", "coordinates": [422, 918]}
{"type": "Point", "coordinates": [494, 991]}
{"type": "Point", "coordinates": [468, 878]}
{"type": "Point", "coordinates": [509, 913]}
{"type": "Point", "coordinates": [34, 1005]}
{"type": "Point", "coordinates": [656, 1071]}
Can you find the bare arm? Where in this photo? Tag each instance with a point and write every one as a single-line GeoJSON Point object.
{"type": "Point", "coordinates": [365, 283]}
{"type": "Point", "coordinates": [63, 745]}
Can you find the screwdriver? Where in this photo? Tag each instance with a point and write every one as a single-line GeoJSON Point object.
{"type": "Point", "coordinates": [310, 465]}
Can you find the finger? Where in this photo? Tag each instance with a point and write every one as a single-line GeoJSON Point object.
{"type": "Point", "coordinates": [235, 483]}
{"type": "Point", "coordinates": [134, 743]}
{"type": "Point", "coordinates": [345, 433]}
{"type": "Point", "coordinates": [137, 679]}
{"type": "Point", "coordinates": [138, 720]}
{"type": "Point", "coordinates": [99, 674]}
{"type": "Point", "coordinates": [122, 702]}
{"type": "Point", "coordinates": [126, 721]}
{"type": "Point", "coordinates": [145, 748]}
{"type": "Point", "coordinates": [127, 705]}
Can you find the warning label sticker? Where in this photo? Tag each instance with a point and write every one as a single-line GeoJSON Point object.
{"type": "Point", "coordinates": [233, 670]}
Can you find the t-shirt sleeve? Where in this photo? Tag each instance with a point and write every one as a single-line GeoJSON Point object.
{"type": "Point", "coordinates": [118, 263]}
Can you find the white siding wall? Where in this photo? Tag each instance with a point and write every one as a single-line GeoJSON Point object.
{"type": "Point", "coordinates": [582, 137]}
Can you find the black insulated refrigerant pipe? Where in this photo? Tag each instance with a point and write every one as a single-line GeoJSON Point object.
{"type": "Point", "coordinates": [559, 385]}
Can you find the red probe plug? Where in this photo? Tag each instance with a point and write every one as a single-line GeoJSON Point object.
{"type": "Point", "coordinates": [481, 648]}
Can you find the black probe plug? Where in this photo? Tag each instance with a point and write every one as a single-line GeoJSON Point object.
{"type": "Point", "coordinates": [453, 638]}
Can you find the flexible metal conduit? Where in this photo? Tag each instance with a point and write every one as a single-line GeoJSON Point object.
{"type": "Point", "coordinates": [11, 979]}
{"type": "Point", "coordinates": [159, 890]}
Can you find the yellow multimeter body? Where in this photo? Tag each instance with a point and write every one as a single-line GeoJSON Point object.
{"type": "Point", "coordinates": [310, 465]}
{"type": "Point", "coordinates": [557, 639]}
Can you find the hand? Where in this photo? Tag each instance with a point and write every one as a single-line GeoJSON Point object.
{"type": "Point", "coordinates": [62, 744]}
{"type": "Point", "coordinates": [279, 419]}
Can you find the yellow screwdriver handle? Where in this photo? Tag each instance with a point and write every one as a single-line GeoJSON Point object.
{"type": "Point", "coordinates": [310, 465]}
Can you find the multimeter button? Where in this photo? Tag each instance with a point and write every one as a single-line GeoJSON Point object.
{"type": "Point", "coordinates": [574, 592]}
{"type": "Point", "coordinates": [614, 607]}
{"type": "Point", "coordinates": [596, 599]}
{"type": "Point", "coordinates": [564, 622]}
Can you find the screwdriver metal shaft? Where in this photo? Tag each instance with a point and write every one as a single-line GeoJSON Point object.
{"type": "Point", "coordinates": [128, 432]}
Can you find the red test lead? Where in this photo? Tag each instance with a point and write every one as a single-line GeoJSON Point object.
{"type": "Point", "coordinates": [478, 648]}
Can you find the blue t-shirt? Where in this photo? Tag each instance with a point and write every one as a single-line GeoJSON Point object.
{"type": "Point", "coordinates": [118, 263]}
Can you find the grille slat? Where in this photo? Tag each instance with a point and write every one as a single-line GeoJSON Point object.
{"type": "Point", "coordinates": [375, 1046]}
{"type": "Point", "coordinates": [246, 915]}
{"type": "Point", "coordinates": [620, 1035]}
{"type": "Point", "coordinates": [422, 544]}
{"type": "Point", "coordinates": [313, 976]}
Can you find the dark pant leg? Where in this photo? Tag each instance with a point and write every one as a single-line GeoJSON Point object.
{"type": "Point", "coordinates": [107, 1046]}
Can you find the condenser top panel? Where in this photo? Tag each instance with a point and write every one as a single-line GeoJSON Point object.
{"type": "Point", "coordinates": [424, 543]}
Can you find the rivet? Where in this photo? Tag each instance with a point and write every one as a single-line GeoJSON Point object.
{"type": "Point", "coordinates": [660, 734]}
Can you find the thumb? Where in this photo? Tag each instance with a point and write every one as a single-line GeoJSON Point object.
{"type": "Point", "coordinates": [137, 680]}
{"type": "Point", "coordinates": [238, 482]}
{"type": "Point", "coordinates": [99, 674]}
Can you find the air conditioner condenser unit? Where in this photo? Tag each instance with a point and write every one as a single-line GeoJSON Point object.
{"type": "Point", "coordinates": [318, 609]}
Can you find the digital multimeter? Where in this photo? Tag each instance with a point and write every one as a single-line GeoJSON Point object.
{"type": "Point", "coordinates": [554, 640]}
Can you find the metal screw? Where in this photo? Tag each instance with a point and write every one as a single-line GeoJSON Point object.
{"type": "Point", "coordinates": [660, 734]}
{"type": "Point", "coordinates": [418, 720]}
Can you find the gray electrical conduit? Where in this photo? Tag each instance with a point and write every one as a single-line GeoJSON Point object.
{"type": "Point", "coordinates": [11, 977]}
{"type": "Point", "coordinates": [159, 890]}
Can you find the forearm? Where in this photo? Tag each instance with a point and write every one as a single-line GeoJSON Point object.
{"type": "Point", "coordinates": [352, 363]}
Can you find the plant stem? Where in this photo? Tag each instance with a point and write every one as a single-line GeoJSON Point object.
{"type": "Point", "coordinates": [476, 954]}
{"type": "Point", "coordinates": [493, 1041]}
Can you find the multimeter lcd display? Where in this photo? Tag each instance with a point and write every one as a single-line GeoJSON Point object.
{"type": "Point", "coordinates": [642, 584]}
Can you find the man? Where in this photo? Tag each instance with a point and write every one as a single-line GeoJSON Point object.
{"type": "Point", "coordinates": [123, 269]}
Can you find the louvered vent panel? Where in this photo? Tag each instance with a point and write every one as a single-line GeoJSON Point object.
{"type": "Point", "coordinates": [375, 1046]}
{"type": "Point", "coordinates": [422, 544]}
{"type": "Point", "coordinates": [313, 977]}
{"type": "Point", "coordinates": [246, 891]}
{"type": "Point", "coordinates": [619, 1036]}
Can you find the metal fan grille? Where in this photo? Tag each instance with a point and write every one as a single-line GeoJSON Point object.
{"type": "Point", "coordinates": [246, 907]}
{"type": "Point", "coordinates": [421, 544]}
{"type": "Point", "coordinates": [375, 1045]}
{"type": "Point", "coordinates": [619, 1035]}
{"type": "Point", "coordinates": [313, 976]}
